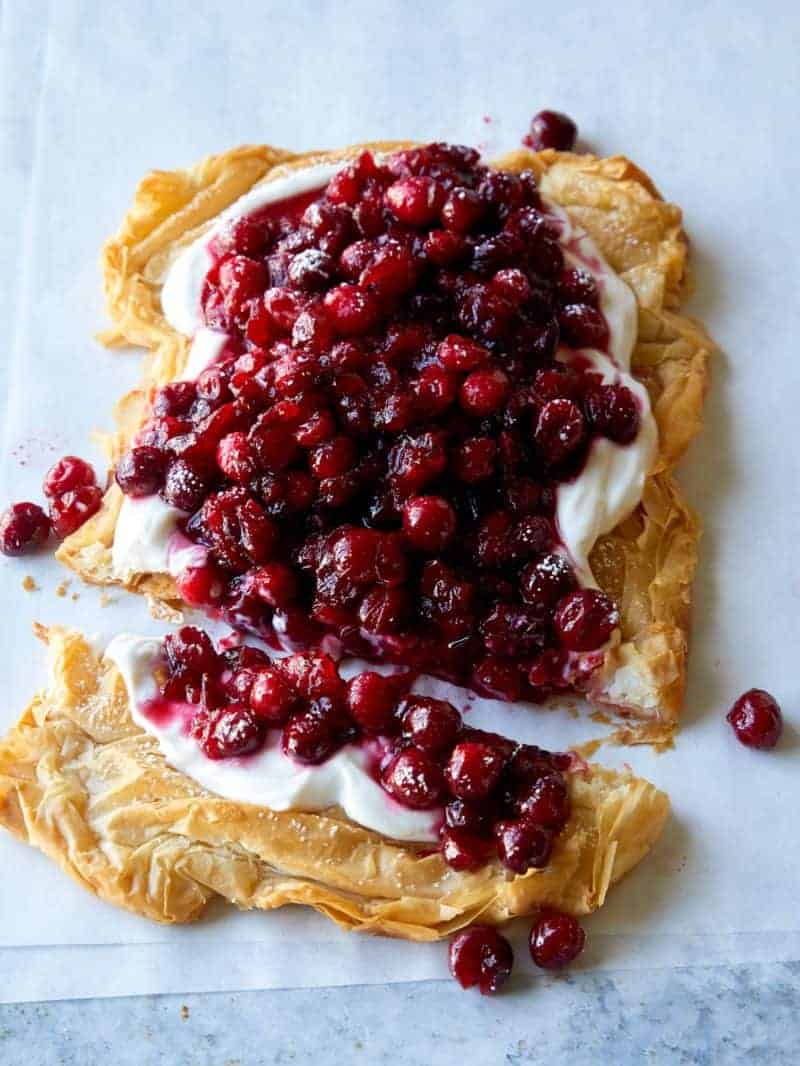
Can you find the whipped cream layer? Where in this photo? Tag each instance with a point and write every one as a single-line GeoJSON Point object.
{"type": "Point", "coordinates": [603, 494]}
{"type": "Point", "coordinates": [267, 778]}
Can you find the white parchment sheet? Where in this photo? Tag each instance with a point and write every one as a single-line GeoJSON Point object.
{"type": "Point", "coordinates": [93, 95]}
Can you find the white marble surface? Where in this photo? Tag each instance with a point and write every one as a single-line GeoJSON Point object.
{"type": "Point", "coordinates": [704, 95]}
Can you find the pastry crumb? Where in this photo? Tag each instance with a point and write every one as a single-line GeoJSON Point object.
{"type": "Point", "coordinates": [162, 612]}
{"type": "Point", "coordinates": [61, 590]}
{"type": "Point", "coordinates": [75, 596]}
{"type": "Point", "coordinates": [184, 1011]}
{"type": "Point", "coordinates": [29, 584]}
{"type": "Point", "coordinates": [106, 600]}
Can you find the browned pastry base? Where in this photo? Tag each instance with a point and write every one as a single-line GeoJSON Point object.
{"type": "Point", "coordinates": [647, 562]}
{"type": "Point", "coordinates": [81, 781]}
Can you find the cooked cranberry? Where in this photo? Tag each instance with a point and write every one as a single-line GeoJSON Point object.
{"type": "Point", "coordinates": [498, 679]}
{"type": "Point", "coordinates": [190, 648]}
{"type": "Point", "coordinates": [140, 471]}
{"type": "Point", "coordinates": [185, 485]}
{"type": "Point", "coordinates": [583, 326]}
{"type": "Point", "coordinates": [233, 731]}
{"type": "Point", "coordinates": [23, 527]}
{"type": "Point", "coordinates": [353, 310]}
{"type": "Point", "coordinates": [473, 770]}
{"type": "Point", "coordinates": [236, 457]}
{"type": "Point", "coordinates": [313, 676]}
{"type": "Point", "coordinates": [271, 696]}
{"type": "Point", "coordinates": [201, 586]}
{"type": "Point", "coordinates": [275, 584]}
{"type": "Point", "coordinates": [391, 272]}
{"type": "Point", "coordinates": [175, 399]}
{"type": "Point", "coordinates": [435, 390]}
{"type": "Point", "coordinates": [474, 459]}
{"type": "Point", "coordinates": [458, 814]}
{"type": "Point", "coordinates": [429, 522]}
{"type": "Point", "coordinates": [309, 738]}
{"type": "Point", "coordinates": [241, 279]}
{"type": "Point", "coordinates": [334, 457]}
{"type": "Point", "coordinates": [486, 313]}
{"type": "Point", "coordinates": [415, 201]}
{"type": "Point", "coordinates": [585, 619]}
{"type": "Point", "coordinates": [416, 461]}
{"type": "Point", "coordinates": [444, 247]}
{"type": "Point", "coordinates": [274, 446]}
{"type": "Point", "coordinates": [70, 511]}
{"type": "Point", "coordinates": [547, 580]}
{"type": "Point", "coordinates": [461, 210]}
{"type": "Point", "coordinates": [559, 429]}
{"type": "Point", "coordinates": [513, 284]}
{"type": "Point", "coordinates": [67, 475]}
{"type": "Point", "coordinates": [464, 851]}
{"type": "Point", "coordinates": [484, 392]}
{"type": "Point", "coordinates": [613, 411]}
{"type": "Point", "coordinates": [414, 779]}
{"type": "Point", "coordinates": [548, 670]}
{"type": "Point", "coordinates": [311, 270]}
{"type": "Point", "coordinates": [431, 725]}
{"type": "Point", "coordinates": [556, 939]}
{"type": "Point", "coordinates": [551, 129]}
{"type": "Point", "coordinates": [481, 956]}
{"type": "Point", "coordinates": [372, 701]}
{"type": "Point", "coordinates": [577, 286]}
{"type": "Point", "coordinates": [544, 802]}
{"type": "Point", "coordinates": [384, 610]}
{"type": "Point", "coordinates": [523, 846]}
{"type": "Point", "coordinates": [756, 719]}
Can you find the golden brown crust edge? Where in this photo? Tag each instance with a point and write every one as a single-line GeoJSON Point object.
{"type": "Point", "coordinates": [81, 782]}
{"type": "Point", "coordinates": [648, 562]}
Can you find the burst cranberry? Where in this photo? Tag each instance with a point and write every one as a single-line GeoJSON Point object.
{"type": "Point", "coordinates": [414, 779]}
{"type": "Point", "coordinates": [70, 511]}
{"type": "Point", "coordinates": [498, 679]}
{"type": "Point", "coordinates": [236, 457]}
{"type": "Point", "coordinates": [484, 392]}
{"type": "Point", "coordinates": [435, 390]}
{"type": "Point", "coordinates": [241, 279]}
{"type": "Point", "coordinates": [392, 272]}
{"type": "Point", "coordinates": [185, 485]}
{"type": "Point", "coordinates": [513, 631]}
{"type": "Point", "coordinates": [372, 702]}
{"type": "Point", "coordinates": [201, 586]}
{"type": "Point", "coordinates": [384, 610]}
{"type": "Point", "coordinates": [459, 353]}
{"type": "Point", "coordinates": [547, 580]}
{"type": "Point", "coordinates": [471, 817]}
{"type": "Point", "coordinates": [585, 619]}
{"type": "Point", "coordinates": [23, 527]}
{"type": "Point", "coordinates": [416, 461]}
{"type": "Point", "coordinates": [556, 939]}
{"type": "Point", "coordinates": [140, 471]}
{"type": "Point", "coordinates": [513, 284]}
{"type": "Point", "coordinates": [756, 719]}
{"type": "Point", "coordinates": [311, 270]}
{"type": "Point", "coordinates": [313, 676]}
{"type": "Point", "coordinates": [583, 326]}
{"type": "Point", "coordinates": [481, 956]}
{"type": "Point", "coordinates": [67, 475]}
{"type": "Point", "coordinates": [190, 648]}
{"type": "Point", "coordinates": [577, 286]}
{"type": "Point", "coordinates": [551, 129]}
{"type": "Point", "coordinates": [429, 522]}
{"type": "Point", "coordinates": [415, 201]}
{"type": "Point", "coordinates": [462, 210]}
{"type": "Point", "coordinates": [332, 458]}
{"type": "Point", "coordinates": [271, 696]}
{"type": "Point", "coordinates": [463, 851]}
{"type": "Point", "coordinates": [309, 738]}
{"type": "Point", "coordinates": [473, 770]}
{"type": "Point", "coordinates": [274, 446]}
{"type": "Point", "coordinates": [275, 584]}
{"type": "Point", "coordinates": [431, 725]}
{"type": "Point", "coordinates": [474, 460]}
{"type": "Point", "coordinates": [559, 429]}
{"type": "Point", "coordinates": [353, 310]}
{"type": "Point", "coordinates": [175, 399]}
{"type": "Point", "coordinates": [522, 846]}
{"type": "Point", "coordinates": [486, 313]}
{"type": "Point", "coordinates": [444, 247]}
{"type": "Point", "coordinates": [613, 411]}
{"type": "Point", "coordinates": [233, 731]}
{"type": "Point", "coordinates": [545, 802]}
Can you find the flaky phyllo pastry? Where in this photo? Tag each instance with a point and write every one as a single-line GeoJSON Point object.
{"type": "Point", "coordinates": [82, 781]}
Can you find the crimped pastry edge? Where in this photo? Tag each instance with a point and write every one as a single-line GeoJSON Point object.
{"type": "Point", "coordinates": [81, 782]}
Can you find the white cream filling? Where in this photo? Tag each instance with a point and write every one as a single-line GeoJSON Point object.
{"type": "Point", "coordinates": [269, 778]}
{"type": "Point", "coordinates": [604, 493]}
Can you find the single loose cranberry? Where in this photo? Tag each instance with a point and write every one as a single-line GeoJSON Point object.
{"type": "Point", "coordinates": [473, 770]}
{"type": "Point", "coordinates": [190, 648]}
{"type": "Point", "coordinates": [551, 129]}
{"type": "Point", "coordinates": [414, 779]}
{"type": "Point", "coordinates": [585, 619]}
{"type": "Point", "coordinates": [430, 724]}
{"type": "Point", "coordinates": [372, 702]}
{"type": "Point", "coordinates": [556, 939]}
{"type": "Point", "coordinates": [559, 429]}
{"type": "Point", "coordinates": [484, 392]}
{"type": "Point", "coordinates": [70, 511]}
{"type": "Point", "coordinates": [481, 956]}
{"type": "Point", "coordinates": [613, 411]}
{"type": "Point", "coordinates": [522, 846]}
{"type": "Point", "coordinates": [429, 522]}
{"type": "Point", "coordinates": [463, 850]}
{"type": "Point", "coordinates": [140, 471]}
{"type": "Point", "coordinates": [756, 719]}
{"type": "Point", "coordinates": [233, 731]}
{"type": "Point", "coordinates": [275, 584]}
{"type": "Point", "coordinates": [271, 696]}
{"type": "Point", "coordinates": [583, 326]}
{"type": "Point", "coordinates": [23, 527]}
{"type": "Point", "coordinates": [66, 475]}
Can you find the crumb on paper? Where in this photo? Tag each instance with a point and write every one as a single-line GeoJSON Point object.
{"type": "Point", "coordinates": [29, 584]}
{"type": "Point", "coordinates": [61, 590]}
{"type": "Point", "coordinates": [162, 612]}
{"type": "Point", "coordinates": [487, 119]}
{"type": "Point", "coordinates": [75, 596]}
{"type": "Point", "coordinates": [106, 600]}
{"type": "Point", "coordinates": [184, 1011]}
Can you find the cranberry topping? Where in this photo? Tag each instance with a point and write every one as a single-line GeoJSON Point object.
{"type": "Point", "coordinates": [756, 719]}
{"type": "Point", "coordinates": [556, 939]}
{"type": "Point", "coordinates": [376, 453]}
{"type": "Point", "coordinates": [414, 779]}
{"type": "Point", "coordinates": [431, 724]}
{"type": "Point", "coordinates": [523, 846]}
{"type": "Point", "coordinates": [23, 527]}
{"type": "Point", "coordinates": [551, 129]}
{"type": "Point", "coordinates": [585, 619]}
{"type": "Point", "coordinates": [473, 770]}
{"type": "Point", "coordinates": [481, 956]}
{"type": "Point", "coordinates": [232, 731]}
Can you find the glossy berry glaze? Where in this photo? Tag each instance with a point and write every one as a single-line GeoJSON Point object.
{"type": "Point", "coordinates": [374, 456]}
{"type": "Point", "coordinates": [756, 719]}
{"type": "Point", "coordinates": [496, 798]}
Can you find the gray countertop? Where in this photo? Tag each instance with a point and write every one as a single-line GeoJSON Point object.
{"type": "Point", "coordinates": [714, 1016]}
